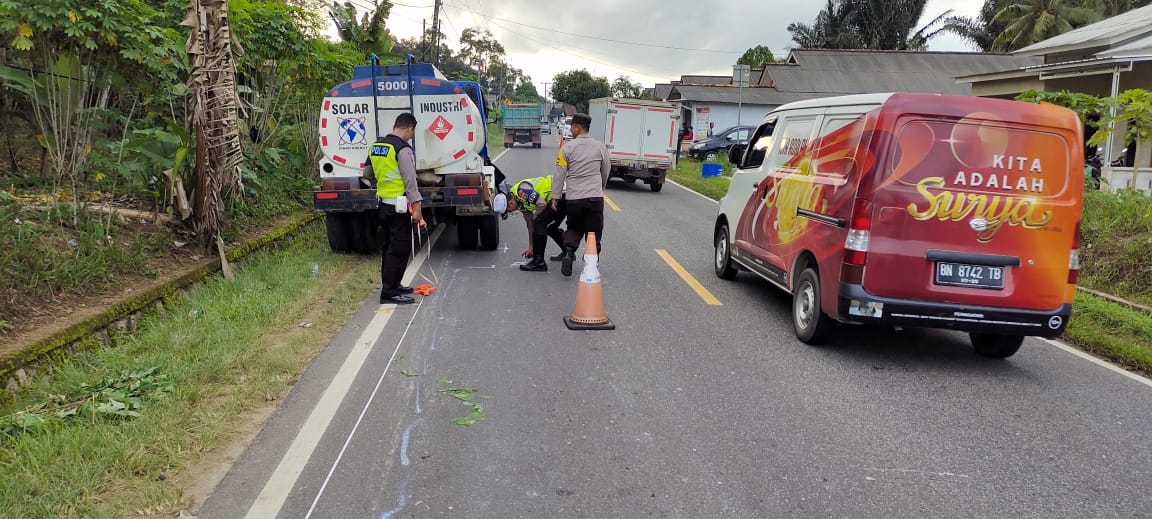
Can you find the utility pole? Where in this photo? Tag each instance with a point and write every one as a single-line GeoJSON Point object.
{"type": "Point", "coordinates": [423, 38]}
{"type": "Point", "coordinates": [436, 33]}
{"type": "Point", "coordinates": [546, 83]}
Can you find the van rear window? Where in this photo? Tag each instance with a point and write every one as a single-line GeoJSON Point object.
{"type": "Point", "coordinates": [980, 156]}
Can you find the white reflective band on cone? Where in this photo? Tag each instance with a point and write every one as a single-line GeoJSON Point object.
{"type": "Point", "coordinates": [591, 272]}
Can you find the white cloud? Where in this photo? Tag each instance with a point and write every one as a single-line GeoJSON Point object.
{"type": "Point", "coordinates": [718, 26]}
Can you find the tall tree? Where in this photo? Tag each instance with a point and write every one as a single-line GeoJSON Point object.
{"type": "Point", "coordinates": [870, 24]}
{"type": "Point", "coordinates": [577, 87]}
{"type": "Point", "coordinates": [1032, 21]}
{"type": "Point", "coordinates": [757, 57]}
{"type": "Point", "coordinates": [982, 30]}
{"type": "Point", "coordinates": [1109, 8]}
{"type": "Point", "coordinates": [526, 92]}
{"type": "Point", "coordinates": [625, 87]}
{"type": "Point", "coordinates": [368, 33]}
{"type": "Point", "coordinates": [214, 115]}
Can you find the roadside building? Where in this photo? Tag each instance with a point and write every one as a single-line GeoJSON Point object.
{"type": "Point", "coordinates": [815, 73]}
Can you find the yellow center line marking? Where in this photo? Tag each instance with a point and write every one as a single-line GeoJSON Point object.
{"type": "Point", "coordinates": [688, 278]}
{"type": "Point", "coordinates": [611, 204]}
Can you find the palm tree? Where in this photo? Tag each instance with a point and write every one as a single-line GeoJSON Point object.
{"type": "Point", "coordinates": [1109, 8]}
{"type": "Point", "coordinates": [213, 108]}
{"type": "Point", "coordinates": [982, 30]}
{"type": "Point", "coordinates": [367, 34]}
{"type": "Point", "coordinates": [869, 24]}
{"type": "Point", "coordinates": [1032, 21]}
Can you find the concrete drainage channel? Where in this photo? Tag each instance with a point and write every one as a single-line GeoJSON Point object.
{"type": "Point", "coordinates": [20, 368]}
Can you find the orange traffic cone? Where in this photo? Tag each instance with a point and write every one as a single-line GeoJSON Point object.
{"type": "Point", "coordinates": [589, 312]}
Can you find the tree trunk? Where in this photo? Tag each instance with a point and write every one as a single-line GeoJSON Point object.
{"type": "Point", "coordinates": [213, 114]}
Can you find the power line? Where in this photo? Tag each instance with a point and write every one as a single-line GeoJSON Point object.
{"type": "Point", "coordinates": [565, 51]}
{"type": "Point", "coordinates": [669, 47]}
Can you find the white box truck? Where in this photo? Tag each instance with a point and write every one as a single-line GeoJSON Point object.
{"type": "Point", "coordinates": [640, 136]}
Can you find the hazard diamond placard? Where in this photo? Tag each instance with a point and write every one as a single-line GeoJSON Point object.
{"type": "Point", "coordinates": [441, 127]}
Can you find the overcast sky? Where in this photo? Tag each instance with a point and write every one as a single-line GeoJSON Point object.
{"type": "Point", "coordinates": [532, 32]}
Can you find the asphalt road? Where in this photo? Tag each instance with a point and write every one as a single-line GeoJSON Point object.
{"type": "Point", "coordinates": [687, 409]}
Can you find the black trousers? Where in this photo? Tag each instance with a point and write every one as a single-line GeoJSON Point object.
{"type": "Point", "coordinates": [547, 224]}
{"type": "Point", "coordinates": [396, 247]}
{"type": "Point", "coordinates": [584, 215]}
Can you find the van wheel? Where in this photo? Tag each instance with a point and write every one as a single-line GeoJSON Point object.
{"type": "Point", "coordinates": [808, 319]}
{"type": "Point", "coordinates": [994, 345]}
{"type": "Point", "coordinates": [466, 232]}
{"type": "Point", "coordinates": [723, 260]}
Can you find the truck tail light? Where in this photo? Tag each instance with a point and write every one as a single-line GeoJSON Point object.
{"type": "Point", "coordinates": [1074, 258]}
{"type": "Point", "coordinates": [330, 195]}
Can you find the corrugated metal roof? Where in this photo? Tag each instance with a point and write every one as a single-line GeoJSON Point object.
{"type": "Point", "coordinates": [1138, 46]}
{"type": "Point", "coordinates": [753, 96]}
{"type": "Point", "coordinates": [662, 90]}
{"type": "Point", "coordinates": [705, 80]}
{"type": "Point", "coordinates": [1111, 31]}
{"type": "Point", "coordinates": [857, 72]}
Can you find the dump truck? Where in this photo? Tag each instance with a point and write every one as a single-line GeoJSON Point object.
{"type": "Point", "coordinates": [640, 136]}
{"type": "Point", "coordinates": [456, 179]}
{"type": "Point", "coordinates": [522, 124]}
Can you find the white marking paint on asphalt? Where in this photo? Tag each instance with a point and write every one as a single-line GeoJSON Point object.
{"type": "Point", "coordinates": [364, 411]}
{"type": "Point", "coordinates": [399, 506]}
{"type": "Point", "coordinates": [283, 478]}
{"type": "Point", "coordinates": [924, 472]}
{"type": "Point", "coordinates": [1100, 362]}
{"type": "Point", "coordinates": [493, 267]}
{"type": "Point", "coordinates": [690, 190]}
{"type": "Point", "coordinates": [404, 459]}
{"type": "Point", "coordinates": [501, 154]}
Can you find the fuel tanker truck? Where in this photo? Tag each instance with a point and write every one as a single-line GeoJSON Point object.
{"type": "Point", "coordinates": [456, 179]}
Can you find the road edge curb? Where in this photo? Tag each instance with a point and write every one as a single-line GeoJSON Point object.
{"type": "Point", "coordinates": [122, 316]}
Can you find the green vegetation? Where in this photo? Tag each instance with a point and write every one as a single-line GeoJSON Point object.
{"type": "Point", "coordinates": [688, 173]}
{"type": "Point", "coordinates": [1000, 26]}
{"type": "Point", "coordinates": [1116, 242]}
{"type": "Point", "coordinates": [1112, 331]}
{"type": "Point", "coordinates": [193, 377]}
{"type": "Point", "coordinates": [577, 87]}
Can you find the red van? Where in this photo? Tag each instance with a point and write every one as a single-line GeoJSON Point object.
{"type": "Point", "coordinates": [912, 210]}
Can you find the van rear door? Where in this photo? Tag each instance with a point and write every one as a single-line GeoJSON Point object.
{"type": "Point", "coordinates": [978, 210]}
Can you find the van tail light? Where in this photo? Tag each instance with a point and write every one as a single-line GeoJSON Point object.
{"type": "Point", "coordinates": [859, 233]}
{"type": "Point", "coordinates": [1074, 258]}
{"type": "Point", "coordinates": [856, 244]}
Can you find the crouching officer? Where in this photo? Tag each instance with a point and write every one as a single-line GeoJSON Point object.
{"type": "Point", "coordinates": [533, 198]}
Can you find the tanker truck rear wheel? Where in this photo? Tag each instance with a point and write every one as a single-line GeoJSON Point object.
{"type": "Point", "coordinates": [489, 231]}
{"type": "Point", "coordinates": [466, 232]}
{"type": "Point", "coordinates": [339, 233]}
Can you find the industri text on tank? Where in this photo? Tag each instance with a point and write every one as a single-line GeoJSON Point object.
{"type": "Point", "coordinates": [456, 179]}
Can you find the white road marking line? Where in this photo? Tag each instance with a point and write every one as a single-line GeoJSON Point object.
{"type": "Point", "coordinates": [501, 154]}
{"type": "Point", "coordinates": [283, 479]}
{"type": "Point", "coordinates": [690, 190]}
{"type": "Point", "coordinates": [1099, 362]}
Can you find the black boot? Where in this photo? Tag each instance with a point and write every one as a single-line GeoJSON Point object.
{"type": "Point", "coordinates": [566, 262]}
{"type": "Point", "coordinates": [539, 242]}
{"type": "Point", "coordinates": [536, 265]}
{"type": "Point", "coordinates": [558, 257]}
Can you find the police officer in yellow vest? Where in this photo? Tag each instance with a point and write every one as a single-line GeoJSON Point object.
{"type": "Point", "coordinates": [392, 163]}
{"type": "Point", "coordinates": [533, 197]}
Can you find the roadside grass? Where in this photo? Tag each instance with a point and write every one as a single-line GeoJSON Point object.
{"type": "Point", "coordinates": [227, 347]}
{"type": "Point", "coordinates": [688, 174]}
{"type": "Point", "coordinates": [1117, 243]}
{"type": "Point", "coordinates": [495, 139]}
{"type": "Point", "coordinates": [1112, 331]}
{"type": "Point", "coordinates": [42, 253]}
